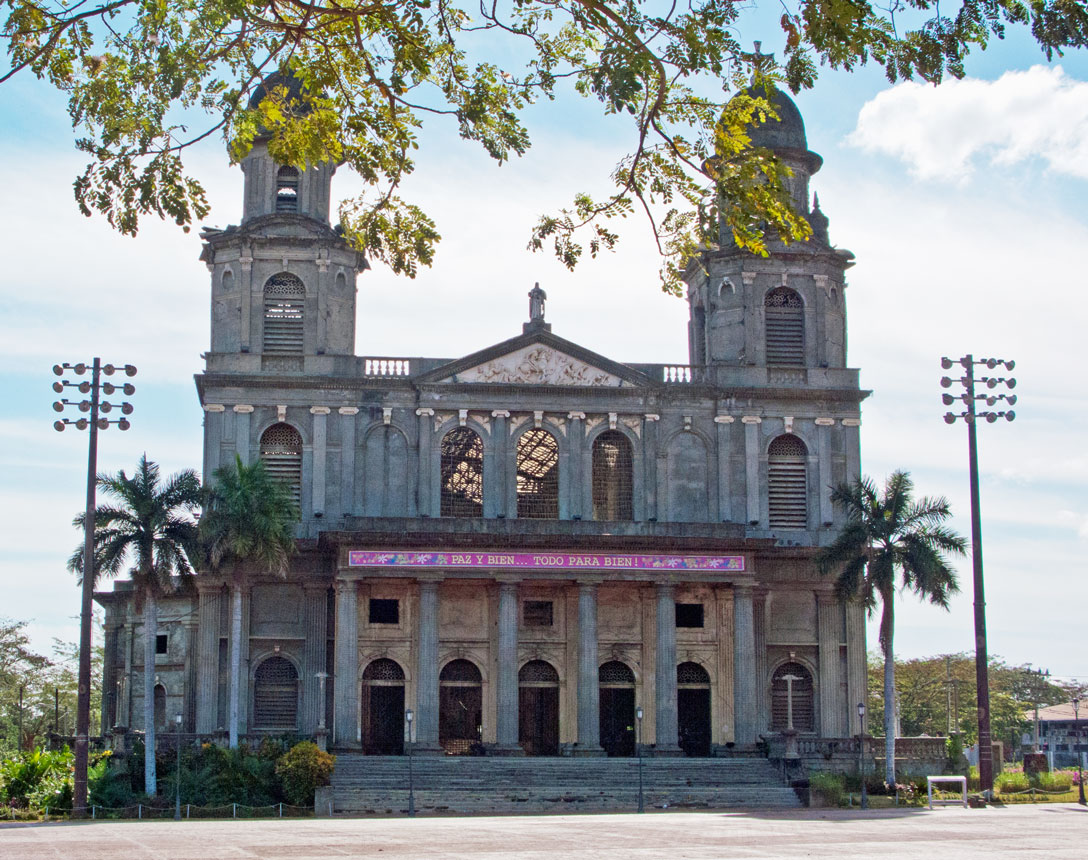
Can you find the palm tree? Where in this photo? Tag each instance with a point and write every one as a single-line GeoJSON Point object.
{"type": "Point", "coordinates": [891, 541]}
{"type": "Point", "coordinates": [150, 523]}
{"type": "Point", "coordinates": [248, 523]}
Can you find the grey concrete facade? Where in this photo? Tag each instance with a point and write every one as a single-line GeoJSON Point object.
{"type": "Point", "coordinates": [729, 456]}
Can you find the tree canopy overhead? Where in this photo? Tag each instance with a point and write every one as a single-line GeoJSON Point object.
{"type": "Point", "coordinates": [136, 71]}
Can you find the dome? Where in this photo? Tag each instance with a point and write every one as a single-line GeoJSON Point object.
{"type": "Point", "coordinates": [788, 131]}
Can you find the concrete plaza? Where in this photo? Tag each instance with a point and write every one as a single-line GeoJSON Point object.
{"type": "Point", "coordinates": [1053, 831]}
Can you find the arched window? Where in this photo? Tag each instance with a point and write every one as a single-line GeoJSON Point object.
{"type": "Point", "coordinates": [612, 477]}
{"type": "Point", "coordinates": [284, 306]}
{"type": "Point", "coordinates": [460, 673]}
{"type": "Point", "coordinates": [227, 282]}
{"type": "Point", "coordinates": [281, 451]}
{"type": "Point", "coordinates": [615, 674]}
{"type": "Point", "coordinates": [287, 190]}
{"type": "Point", "coordinates": [792, 678]}
{"type": "Point", "coordinates": [160, 706]}
{"type": "Point", "coordinates": [538, 673]}
{"type": "Point", "coordinates": [275, 695]}
{"type": "Point", "coordinates": [538, 475]}
{"type": "Point", "coordinates": [787, 486]}
{"type": "Point", "coordinates": [462, 467]}
{"type": "Point", "coordinates": [785, 327]}
{"type": "Point", "coordinates": [692, 675]}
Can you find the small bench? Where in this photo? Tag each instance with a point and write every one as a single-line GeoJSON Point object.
{"type": "Point", "coordinates": [960, 780]}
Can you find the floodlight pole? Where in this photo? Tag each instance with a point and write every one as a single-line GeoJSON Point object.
{"type": "Point", "coordinates": [971, 416]}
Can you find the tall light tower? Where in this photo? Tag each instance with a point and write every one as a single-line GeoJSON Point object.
{"type": "Point", "coordinates": [93, 406]}
{"type": "Point", "coordinates": [971, 416]}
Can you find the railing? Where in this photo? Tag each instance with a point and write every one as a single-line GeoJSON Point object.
{"type": "Point", "coordinates": [680, 374]}
{"type": "Point", "coordinates": [387, 367]}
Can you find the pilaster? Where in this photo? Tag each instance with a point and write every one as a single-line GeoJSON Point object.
{"type": "Point", "coordinates": [346, 669]}
{"type": "Point", "coordinates": [744, 666]}
{"type": "Point", "coordinates": [665, 687]}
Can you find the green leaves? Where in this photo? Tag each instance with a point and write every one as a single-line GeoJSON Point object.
{"type": "Point", "coordinates": [147, 79]}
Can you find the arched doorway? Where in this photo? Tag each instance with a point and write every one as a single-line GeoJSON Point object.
{"type": "Point", "coordinates": [383, 708]}
{"type": "Point", "coordinates": [693, 709]}
{"type": "Point", "coordinates": [460, 707]}
{"type": "Point", "coordinates": [792, 696]}
{"type": "Point", "coordinates": [538, 708]}
{"type": "Point", "coordinates": [275, 695]}
{"type": "Point", "coordinates": [617, 686]}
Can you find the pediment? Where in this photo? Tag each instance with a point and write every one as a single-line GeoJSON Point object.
{"type": "Point", "coordinates": [538, 364]}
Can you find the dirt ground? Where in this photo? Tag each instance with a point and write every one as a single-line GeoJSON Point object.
{"type": "Point", "coordinates": [1051, 831]}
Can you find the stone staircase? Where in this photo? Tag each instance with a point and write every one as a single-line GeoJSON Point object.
{"type": "Point", "coordinates": [443, 785]}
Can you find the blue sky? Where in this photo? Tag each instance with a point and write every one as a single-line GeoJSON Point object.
{"type": "Point", "coordinates": [963, 204]}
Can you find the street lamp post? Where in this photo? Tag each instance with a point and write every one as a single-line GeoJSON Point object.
{"type": "Point", "coordinates": [1079, 754]}
{"type": "Point", "coordinates": [408, 717]}
{"type": "Point", "coordinates": [970, 417]}
{"type": "Point", "coordinates": [861, 755]}
{"type": "Point", "coordinates": [638, 747]}
{"type": "Point", "coordinates": [177, 776]}
{"type": "Point", "coordinates": [94, 406]}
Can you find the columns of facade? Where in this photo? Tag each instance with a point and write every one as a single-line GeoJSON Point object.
{"type": "Point", "coordinates": [751, 458]}
{"type": "Point", "coordinates": [507, 678]}
{"type": "Point", "coordinates": [346, 665]}
{"type": "Point", "coordinates": [424, 501]}
{"type": "Point", "coordinates": [665, 663]}
{"type": "Point", "coordinates": [314, 615]}
{"type": "Point", "coordinates": [242, 413]}
{"type": "Point", "coordinates": [577, 484]}
{"type": "Point", "coordinates": [426, 731]}
{"type": "Point", "coordinates": [111, 640]}
{"type": "Point", "coordinates": [246, 296]}
{"type": "Point", "coordinates": [495, 468]}
{"type": "Point", "coordinates": [589, 694]}
{"type": "Point", "coordinates": [649, 460]}
{"type": "Point", "coordinates": [320, 439]}
{"type": "Point", "coordinates": [213, 436]}
{"type": "Point", "coordinates": [828, 633]}
{"type": "Point", "coordinates": [347, 459]}
{"type": "Point", "coordinates": [857, 689]}
{"type": "Point", "coordinates": [744, 666]}
{"type": "Point", "coordinates": [207, 679]}
{"type": "Point", "coordinates": [823, 442]}
{"type": "Point", "coordinates": [725, 500]}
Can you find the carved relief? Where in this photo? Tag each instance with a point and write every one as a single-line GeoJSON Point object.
{"type": "Point", "coordinates": [593, 421]}
{"type": "Point", "coordinates": [441, 418]}
{"type": "Point", "coordinates": [634, 424]}
{"type": "Point", "coordinates": [516, 422]}
{"type": "Point", "coordinates": [539, 365]}
{"type": "Point", "coordinates": [558, 423]}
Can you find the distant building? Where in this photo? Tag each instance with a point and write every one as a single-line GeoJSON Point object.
{"type": "Point", "coordinates": [1061, 734]}
{"type": "Point", "coordinates": [526, 543]}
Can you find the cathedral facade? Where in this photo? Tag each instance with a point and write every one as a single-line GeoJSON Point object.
{"type": "Point", "coordinates": [533, 549]}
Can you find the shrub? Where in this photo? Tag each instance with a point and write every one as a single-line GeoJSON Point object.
{"type": "Point", "coordinates": [830, 787]}
{"type": "Point", "coordinates": [1012, 781]}
{"type": "Point", "coordinates": [39, 778]}
{"type": "Point", "coordinates": [1057, 780]}
{"type": "Point", "coordinates": [301, 769]}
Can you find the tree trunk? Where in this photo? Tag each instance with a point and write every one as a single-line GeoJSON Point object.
{"type": "Point", "coordinates": [235, 660]}
{"type": "Point", "coordinates": [150, 630]}
{"type": "Point", "coordinates": [887, 625]}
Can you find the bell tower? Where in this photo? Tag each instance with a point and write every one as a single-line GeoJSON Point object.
{"type": "Point", "coordinates": [783, 311]}
{"type": "Point", "coordinates": [283, 281]}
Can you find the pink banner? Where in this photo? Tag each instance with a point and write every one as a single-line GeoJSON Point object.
{"type": "Point", "coordinates": [544, 561]}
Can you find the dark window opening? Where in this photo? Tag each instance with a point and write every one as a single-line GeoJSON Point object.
{"type": "Point", "coordinates": [538, 613]}
{"type": "Point", "coordinates": [538, 475]}
{"type": "Point", "coordinates": [612, 482]}
{"type": "Point", "coordinates": [281, 451]}
{"type": "Point", "coordinates": [787, 484]}
{"type": "Point", "coordinates": [160, 643]}
{"type": "Point", "coordinates": [384, 611]}
{"type": "Point", "coordinates": [462, 466]}
{"type": "Point", "coordinates": [785, 327]}
{"type": "Point", "coordinates": [287, 190]}
{"type": "Point", "coordinates": [689, 615]}
{"type": "Point", "coordinates": [284, 310]}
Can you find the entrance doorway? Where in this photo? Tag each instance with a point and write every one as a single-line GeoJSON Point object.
{"type": "Point", "coordinates": [460, 707]}
{"type": "Point", "coordinates": [693, 709]}
{"type": "Point", "coordinates": [383, 708]}
{"type": "Point", "coordinates": [617, 696]}
{"type": "Point", "coordinates": [538, 708]}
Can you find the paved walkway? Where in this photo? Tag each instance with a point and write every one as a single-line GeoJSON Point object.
{"type": "Point", "coordinates": [1051, 831]}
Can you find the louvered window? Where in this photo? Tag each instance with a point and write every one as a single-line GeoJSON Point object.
{"type": "Point", "coordinates": [802, 695]}
{"type": "Point", "coordinates": [284, 306]}
{"type": "Point", "coordinates": [612, 477]}
{"type": "Point", "coordinates": [538, 475]}
{"type": "Point", "coordinates": [275, 695]}
{"type": "Point", "coordinates": [785, 327]}
{"type": "Point", "coordinates": [787, 485]}
{"type": "Point", "coordinates": [281, 451]}
{"type": "Point", "coordinates": [287, 190]}
{"type": "Point", "coordinates": [615, 674]}
{"type": "Point", "coordinates": [462, 467]}
{"type": "Point", "coordinates": [384, 671]}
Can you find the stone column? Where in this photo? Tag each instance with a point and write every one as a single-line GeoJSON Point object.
{"type": "Point", "coordinates": [665, 662]}
{"type": "Point", "coordinates": [589, 694]}
{"type": "Point", "coordinates": [578, 486]}
{"type": "Point", "coordinates": [241, 428]}
{"type": "Point", "coordinates": [507, 680]}
{"type": "Point", "coordinates": [495, 466]}
{"type": "Point", "coordinates": [247, 295]}
{"type": "Point", "coordinates": [744, 666]}
{"type": "Point", "coordinates": [829, 625]}
{"type": "Point", "coordinates": [347, 459]}
{"type": "Point", "coordinates": [317, 487]}
{"type": "Point", "coordinates": [752, 458]}
{"type": "Point", "coordinates": [823, 431]}
{"type": "Point", "coordinates": [427, 668]}
{"type": "Point", "coordinates": [313, 656]}
{"type": "Point", "coordinates": [213, 436]}
{"type": "Point", "coordinates": [856, 669]}
{"type": "Point", "coordinates": [207, 680]}
{"type": "Point", "coordinates": [424, 502]}
{"type": "Point", "coordinates": [345, 710]}
{"type": "Point", "coordinates": [725, 452]}
{"type": "Point", "coordinates": [649, 461]}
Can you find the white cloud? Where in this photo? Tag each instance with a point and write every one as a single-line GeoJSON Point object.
{"type": "Point", "coordinates": [943, 132]}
